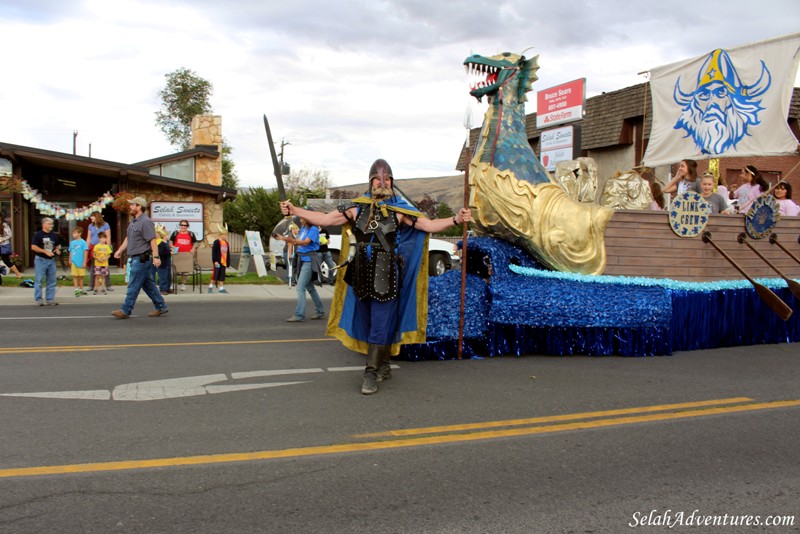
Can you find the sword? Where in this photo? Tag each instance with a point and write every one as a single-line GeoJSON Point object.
{"type": "Point", "coordinates": [282, 228]}
{"type": "Point", "coordinates": [275, 165]}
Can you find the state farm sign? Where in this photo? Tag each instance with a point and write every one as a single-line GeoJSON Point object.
{"type": "Point", "coordinates": [559, 104]}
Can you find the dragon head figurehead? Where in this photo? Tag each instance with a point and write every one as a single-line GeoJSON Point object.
{"type": "Point", "coordinates": [501, 70]}
{"type": "Point", "coordinates": [512, 195]}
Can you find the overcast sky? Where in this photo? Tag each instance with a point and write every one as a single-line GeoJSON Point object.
{"type": "Point", "coordinates": [344, 82]}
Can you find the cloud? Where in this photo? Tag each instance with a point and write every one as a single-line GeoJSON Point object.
{"type": "Point", "coordinates": [343, 82]}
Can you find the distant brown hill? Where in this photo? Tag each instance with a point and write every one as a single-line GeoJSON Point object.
{"type": "Point", "coordinates": [447, 189]}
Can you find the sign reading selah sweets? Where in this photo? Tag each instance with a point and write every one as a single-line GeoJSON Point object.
{"type": "Point", "coordinates": [171, 213]}
{"type": "Point", "coordinates": [688, 214]}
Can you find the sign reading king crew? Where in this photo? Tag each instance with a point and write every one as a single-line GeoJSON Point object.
{"type": "Point", "coordinates": [559, 104]}
{"type": "Point", "coordinates": [170, 214]}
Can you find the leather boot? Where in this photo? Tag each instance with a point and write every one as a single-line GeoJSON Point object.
{"type": "Point", "coordinates": [370, 384]}
{"type": "Point", "coordinates": [385, 364]}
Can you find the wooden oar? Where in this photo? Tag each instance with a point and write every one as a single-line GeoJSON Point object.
{"type": "Point", "coordinates": [773, 238]}
{"type": "Point", "coordinates": [770, 299]}
{"type": "Point", "coordinates": [793, 286]}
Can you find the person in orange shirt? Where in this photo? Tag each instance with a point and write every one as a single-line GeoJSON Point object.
{"type": "Point", "coordinates": [221, 259]}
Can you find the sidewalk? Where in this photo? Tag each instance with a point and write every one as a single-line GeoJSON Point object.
{"type": "Point", "coordinates": [12, 294]}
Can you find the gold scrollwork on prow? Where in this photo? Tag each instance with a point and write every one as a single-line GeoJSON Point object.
{"type": "Point", "coordinates": [564, 234]}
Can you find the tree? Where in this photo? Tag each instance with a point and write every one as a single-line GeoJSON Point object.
{"type": "Point", "coordinates": [229, 177]}
{"type": "Point", "coordinates": [344, 194]}
{"type": "Point", "coordinates": [308, 183]}
{"type": "Point", "coordinates": [443, 211]}
{"type": "Point", "coordinates": [427, 206]}
{"type": "Point", "coordinates": [185, 95]}
{"type": "Point", "coordinates": [255, 209]}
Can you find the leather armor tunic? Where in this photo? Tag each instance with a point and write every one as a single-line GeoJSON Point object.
{"type": "Point", "coordinates": [373, 272]}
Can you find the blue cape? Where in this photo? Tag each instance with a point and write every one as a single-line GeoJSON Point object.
{"type": "Point", "coordinates": [347, 326]}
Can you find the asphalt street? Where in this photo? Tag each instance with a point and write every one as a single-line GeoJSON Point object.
{"type": "Point", "coordinates": [222, 417]}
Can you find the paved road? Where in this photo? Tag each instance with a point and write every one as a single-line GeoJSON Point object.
{"type": "Point", "coordinates": [222, 417]}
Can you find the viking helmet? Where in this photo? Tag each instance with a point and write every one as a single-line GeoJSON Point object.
{"type": "Point", "coordinates": [382, 170]}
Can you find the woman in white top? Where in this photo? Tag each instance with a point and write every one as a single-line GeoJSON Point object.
{"type": "Point", "coordinates": [783, 194]}
{"type": "Point", "coordinates": [685, 179]}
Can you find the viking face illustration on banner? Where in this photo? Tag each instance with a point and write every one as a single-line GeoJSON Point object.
{"type": "Point", "coordinates": [719, 111]}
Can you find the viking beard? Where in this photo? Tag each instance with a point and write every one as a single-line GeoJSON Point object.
{"type": "Point", "coordinates": [715, 130]}
{"type": "Point", "coordinates": [380, 193]}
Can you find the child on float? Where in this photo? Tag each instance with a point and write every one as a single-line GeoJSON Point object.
{"type": "Point", "coordinates": [717, 202]}
{"type": "Point", "coordinates": [783, 195]}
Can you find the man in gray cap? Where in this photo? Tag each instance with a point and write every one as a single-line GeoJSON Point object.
{"type": "Point", "coordinates": [142, 255]}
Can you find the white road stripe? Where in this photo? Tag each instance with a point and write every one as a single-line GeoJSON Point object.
{"type": "Point", "coordinates": [109, 316]}
{"type": "Point", "coordinates": [253, 374]}
{"type": "Point", "coordinates": [99, 394]}
{"type": "Point", "coordinates": [172, 388]}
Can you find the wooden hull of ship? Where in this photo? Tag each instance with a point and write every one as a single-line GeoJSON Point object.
{"type": "Point", "coordinates": [641, 243]}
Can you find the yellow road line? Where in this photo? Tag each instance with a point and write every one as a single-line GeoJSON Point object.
{"type": "Point", "coordinates": [382, 445]}
{"type": "Point", "coordinates": [78, 348]}
{"type": "Point", "coordinates": [551, 418]}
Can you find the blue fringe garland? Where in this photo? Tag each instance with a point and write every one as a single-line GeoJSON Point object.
{"type": "Point", "coordinates": [524, 309]}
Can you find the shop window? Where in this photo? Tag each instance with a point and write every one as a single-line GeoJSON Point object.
{"type": "Point", "coordinates": [180, 170]}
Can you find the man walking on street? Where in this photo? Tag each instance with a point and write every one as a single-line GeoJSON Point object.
{"type": "Point", "coordinates": [142, 256]}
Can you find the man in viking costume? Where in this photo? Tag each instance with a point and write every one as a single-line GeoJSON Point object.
{"type": "Point", "coordinates": [381, 296]}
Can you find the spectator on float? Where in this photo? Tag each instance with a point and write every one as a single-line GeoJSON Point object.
{"type": "Point", "coordinates": [783, 195]}
{"type": "Point", "coordinates": [717, 203]}
{"type": "Point", "coordinates": [658, 196]}
{"type": "Point", "coordinates": [753, 186]}
{"type": "Point", "coordinates": [685, 179]}
{"type": "Point", "coordinates": [722, 190]}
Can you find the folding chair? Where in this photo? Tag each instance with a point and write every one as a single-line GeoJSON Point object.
{"type": "Point", "coordinates": [183, 264]}
{"type": "Point", "coordinates": [202, 263]}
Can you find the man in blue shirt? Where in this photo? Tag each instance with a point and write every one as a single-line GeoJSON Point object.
{"type": "Point", "coordinates": [306, 267]}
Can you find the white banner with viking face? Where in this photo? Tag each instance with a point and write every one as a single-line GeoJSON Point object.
{"type": "Point", "coordinates": [727, 103]}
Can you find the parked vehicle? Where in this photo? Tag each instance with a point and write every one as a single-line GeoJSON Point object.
{"type": "Point", "coordinates": [441, 254]}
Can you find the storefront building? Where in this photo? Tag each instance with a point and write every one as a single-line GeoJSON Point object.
{"type": "Point", "coordinates": [38, 183]}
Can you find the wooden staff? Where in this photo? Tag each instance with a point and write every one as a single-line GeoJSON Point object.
{"type": "Point", "coordinates": [770, 299]}
{"type": "Point", "coordinates": [468, 127]}
{"type": "Point", "coordinates": [793, 286]}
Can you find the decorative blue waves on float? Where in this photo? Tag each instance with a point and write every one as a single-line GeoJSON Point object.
{"type": "Point", "coordinates": [524, 309]}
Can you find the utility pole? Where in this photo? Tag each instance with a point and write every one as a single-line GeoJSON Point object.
{"type": "Point", "coordinates": [284, 167]}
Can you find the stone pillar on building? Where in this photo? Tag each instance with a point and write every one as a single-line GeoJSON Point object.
{"type": "Point", "coordinates": [207, 130]}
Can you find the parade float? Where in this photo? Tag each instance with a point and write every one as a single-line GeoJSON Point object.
{"type": "Point", "coordinates": [550, 274]}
